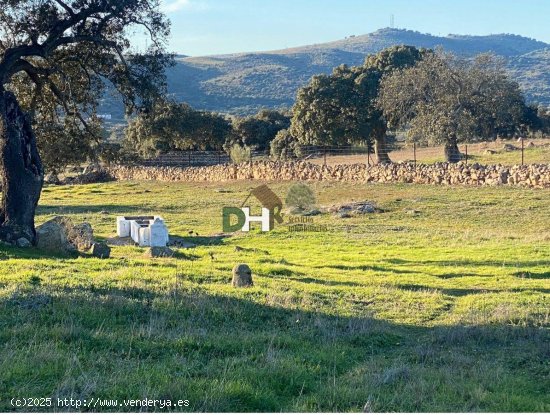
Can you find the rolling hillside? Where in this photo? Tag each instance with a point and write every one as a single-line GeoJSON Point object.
{"type": "Point", "coordinates": [245, 82]}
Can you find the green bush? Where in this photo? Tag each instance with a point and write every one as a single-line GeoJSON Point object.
{"type": "Point", "coordinates": [300, 196]}
{"type": "Point", "coordinates": [240, 154]}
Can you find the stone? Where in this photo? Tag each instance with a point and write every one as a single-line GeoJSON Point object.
{"type": "Point", "coordinates": [344, 215]}
{"type": "Point", "coordinates": [23, 243]}
{"type": "Point", "coordinates": [180, 242]}
{"type": "Point", "coordinates": [51, 236]}
{"type": "Point", "coordinates": [52, 178]}
{"type": "Point", "coordinates": [437, 173]}
{"type": "Point", "coordinates": [242, 276]}
{"type": "Point", "coordinates": [509, 147]}
{"type": "Point", "coordinates": [365, 208]}
{"type": "Point", "coordinates": [159, 252]}
{"type": "Point", "coordinates": [82, 236]}
{"type": "Point", "coordinates": [101, 250]}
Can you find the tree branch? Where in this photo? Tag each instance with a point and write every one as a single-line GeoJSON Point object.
{"type": "Point", "coordinates": [66, 7]}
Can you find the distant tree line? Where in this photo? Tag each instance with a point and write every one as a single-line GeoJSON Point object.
{"type": "Point", "coordinates": [176, 126]}
{"type": "Point", "coordinates": [434, 97]}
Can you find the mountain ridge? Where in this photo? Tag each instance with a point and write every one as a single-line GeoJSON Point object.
{"type": "Point", "coordinates": [243, 83]}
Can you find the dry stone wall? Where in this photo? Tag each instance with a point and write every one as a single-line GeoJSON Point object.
{"type": "Point", "coordinates": [533, 175]}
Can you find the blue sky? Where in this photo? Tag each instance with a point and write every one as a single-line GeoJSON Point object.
{"type": "Point", "coordinates": [205, 27]}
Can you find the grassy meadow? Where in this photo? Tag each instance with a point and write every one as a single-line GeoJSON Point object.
{"type": "Point", "coordinates": [440, 302]}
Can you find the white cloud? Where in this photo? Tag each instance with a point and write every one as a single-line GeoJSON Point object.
{"type": "Point", "coordinates": [172, 6]}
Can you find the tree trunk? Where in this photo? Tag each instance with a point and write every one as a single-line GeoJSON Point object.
{"type": "Point", "coordinates": [21, 171]}
{"type": "Point", "coordinates": [452, 153]}
{"type": "Point", "coordinates": [381, 147]}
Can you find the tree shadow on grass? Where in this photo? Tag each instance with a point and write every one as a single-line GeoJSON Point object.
{"type": "Point", "coordinates": [290, 275]}
{"type": "Point", "coordinates": [461, 292]}
{"type": "Point", "coordinates": [34, 253]}
{"type": "Point", "coordinates": [367, 268]}
{"type": "Point", "coordinates": [109, 209]}
{"type": "Point", "coordinates": [199, 240]}
{"type": "Point", "coordinates": [232, 353]}
{"type": "Point", "coordinates": [470, 263]}
{"type": "Point", "coordinates": [450, 275]}
{"type": "Point", "coordinates": [533, 275]}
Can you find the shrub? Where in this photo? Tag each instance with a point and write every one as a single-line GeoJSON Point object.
{"type": "Point", "coordinates": [300, 196]}
{"type": "Point", "coordinates": [240, 154]}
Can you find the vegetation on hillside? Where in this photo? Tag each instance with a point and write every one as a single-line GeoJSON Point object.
{"type": "Point", "coordinates": [242, 84]}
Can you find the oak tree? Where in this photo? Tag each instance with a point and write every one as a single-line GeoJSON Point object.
{"type": "Point", "coordinates": [56, 57]}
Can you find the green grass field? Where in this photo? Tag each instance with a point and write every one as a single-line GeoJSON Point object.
{"type": "Point", "coordinates": [442, 309]}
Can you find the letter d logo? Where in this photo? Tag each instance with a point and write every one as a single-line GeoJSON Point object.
{"type": "Point", "coordinates": [241, 219]}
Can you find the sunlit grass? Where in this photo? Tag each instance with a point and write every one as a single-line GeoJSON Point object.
{"type": "Point", "coordinates": [445, 309]}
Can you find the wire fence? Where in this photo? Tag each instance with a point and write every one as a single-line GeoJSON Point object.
{"type": "Point", "coordinates": [506, 152]}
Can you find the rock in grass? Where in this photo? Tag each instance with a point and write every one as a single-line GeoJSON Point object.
{"type": "Point", "coordinates": [23, 243]}
{"type": "Point", "coordinates": [52, 236]}
{"type": "Point", "coordinates": [242, 276]}
{"type": "Point", "coordinates": [159, 252]}
{"type": "Point", "coordinates": [52, 178]}
{"type": "Point", "coordinates": [82, 236]}
{"type": "Point", "coordinates": [101, 250]}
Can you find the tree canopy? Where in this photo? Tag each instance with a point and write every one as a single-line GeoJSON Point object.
{"type": "Point", "coordinates": [258, 130]}
{"type": "Point", "coordinates": [341, 108]}
{"type": "Point", "coordinates": [56, 56]}
{"type": "Point", "coordinates": [445, 100]}
{"type": "Point", "coordinates": [176, 126]}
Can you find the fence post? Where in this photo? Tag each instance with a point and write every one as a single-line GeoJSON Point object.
{"type": "Point", "coordinates": [522, 152]}
{"type": "Point", "coordinates": [325, 155]}
{"type": "Point", "coordinates": [219, 157]}
{"type": "Point", "coordinates": [466, 153]}
{"type": "Point", "coordinates": [189, 158]}
{"type": "Point", "coordinates": [414, 153]}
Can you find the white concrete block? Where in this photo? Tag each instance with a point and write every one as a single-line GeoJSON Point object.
{"type": "Point", "coordinates": [158, 233]}
{"type": "Point", "coordinates": [122, 227]}
{"type": "Point", "coordinates": [144, 230]}
{"type": "Point", "coordinates": [144, 239]}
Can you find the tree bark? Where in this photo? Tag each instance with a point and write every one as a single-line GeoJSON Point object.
{"type": "Point", "coordinates": [22, 174]}
{"type": "Point", "coordinates": [452, 153]}
{"type": "Point", "coordinates": [381, 147]}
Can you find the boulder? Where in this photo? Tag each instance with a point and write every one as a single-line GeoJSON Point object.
{"type": "Point", "coordinates": [242, 276]}
{"type": "Point", "coordinates": [51, 236]}
{"type": "Point", "coordinates": [52, 178]}
{"type": "Point", "coordinates": [23, 243]}
{"type": "Point", "coordinates": [82, 236]}
{"type": "Point", "coordinates": [159, 252]}
{"type": "Point", "coordinates": [101, 250]}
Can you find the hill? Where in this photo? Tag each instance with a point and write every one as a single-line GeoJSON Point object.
{"type": "Point", "coordinates": [245, 82]}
